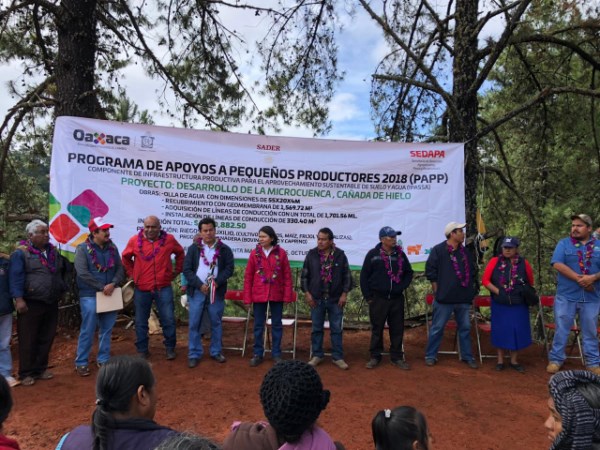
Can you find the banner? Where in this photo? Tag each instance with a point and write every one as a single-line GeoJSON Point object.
{"type": "Point", "coordinates": [125, 172]}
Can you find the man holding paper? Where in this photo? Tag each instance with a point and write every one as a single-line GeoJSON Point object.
{"type": "Point", "coordinates": [99, 273]}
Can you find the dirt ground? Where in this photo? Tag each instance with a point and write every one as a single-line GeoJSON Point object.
{"type": "Point", "coordinates": [466, 408]}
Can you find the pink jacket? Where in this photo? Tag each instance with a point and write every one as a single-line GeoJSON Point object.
{"type": "Point", "coordinates": [255, 291]}
{"type": "Point", "coordinates": [261, 436]}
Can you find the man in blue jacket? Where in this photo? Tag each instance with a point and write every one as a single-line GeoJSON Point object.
{"type": "Point", "coordinates": [452, 273]}
{"type": "Point", "coordinates": [207, 266]}
{"type": "Point", "coordinates": [99, 269]}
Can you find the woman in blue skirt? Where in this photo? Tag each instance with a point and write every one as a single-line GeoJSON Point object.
{"type": "Point", "coordinates": [504, 277]}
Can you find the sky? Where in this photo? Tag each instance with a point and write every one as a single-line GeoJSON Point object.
{"type": "Point", "coordinates": [361, 46]}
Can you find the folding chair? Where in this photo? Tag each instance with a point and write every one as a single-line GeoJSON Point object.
{"type": "Point", "coordinates": [547, 306]}
{"type": "Point", "coordinates": [237, 298]}
{"type": "Point", "coordinates": [450, 325]}
{"type": "Point", "coordinates": [480, 324]}
{"type": "Point", "coordinates": [287, 323]}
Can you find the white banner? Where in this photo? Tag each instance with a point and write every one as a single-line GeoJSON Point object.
{"type": "Point", "coordinates": [125, 172]}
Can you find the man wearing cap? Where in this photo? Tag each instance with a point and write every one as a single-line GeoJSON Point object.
{"type": "Point", "coordinates": [326, 281]}
{"type": "Point", "coordinates": [207, 266]}
{"type": "Point", "coordinates": [385, 274]}
{"type": "Point", "coordinates": [451, 271]}
{"type": "Point", "coordinates": [147, 259]}
{"type": "Point", "coordinates": [99, 269]}
{"type": "Point", "coordinates": [577, 261]}
{"type": "Point", "coordinates": [36, 274]}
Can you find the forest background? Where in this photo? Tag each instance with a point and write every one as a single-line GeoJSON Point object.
{"type": "Point", "coordinates": [523, 98]}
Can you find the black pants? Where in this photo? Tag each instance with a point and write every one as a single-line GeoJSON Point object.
{"type": "Point", "coordinates": [392, 310]}
{"type": "Point", "coordinates": [36, 330]}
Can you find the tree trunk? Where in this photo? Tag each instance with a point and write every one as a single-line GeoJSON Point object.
{"type": "Point", "coordinates": [76, 60]}
{"type": "Point", "coordinates": [464, 127]}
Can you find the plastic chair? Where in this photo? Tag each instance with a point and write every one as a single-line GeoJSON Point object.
{"type": "Point", "coordinates": [287, 323]}
{"type": "Point", "coordinates": [547, 306]}
{"type": "Point", "coordinates": [237, 298]}
{"type": "Point", "coordinates": [450, 325]}
{"type": "Point", "coordinates": [480, 324]}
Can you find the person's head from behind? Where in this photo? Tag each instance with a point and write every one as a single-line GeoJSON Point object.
{"type": "Point", "coordinates": [187, 441]}
{"type": "Point", "coordinates": [402, 428]}
{"type": "Point", "coordinates": [124, 389]}
{"type": "Point", "coordinates": [574, 403]}
{"type": "Point", "coordinates": [6, 401]}
{"type": "Point", "coordinates": [292, 397]}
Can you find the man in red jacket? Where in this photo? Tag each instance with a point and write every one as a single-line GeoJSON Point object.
{"type": "Point", "coordinates": [147, 259]}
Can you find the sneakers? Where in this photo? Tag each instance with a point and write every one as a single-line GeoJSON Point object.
{"type": "Point", "coordinates": [256, 360]}
{"type": "Point", "coordinates": [340, 363]}
{"type": "Point", "coordinates": [171, 355]}
{"type": "Point", "coordinates": [12, 382]}
{"type": "Point", "coordinates": [315, 361]}
{"type": "Point", "coordinates": [82, 371]}
{"type": "Point", "coordinates": [472, 364]}
{"type": "Point", "coordinates": [400, 363]}
{"type": "Point", "coordinates": [373, 362]}
{"type": "Point", "coordinates": [193, 362]}
{"type": "Point", "coordinates": [219, 358]}
{"type": "Point", "coordinates": [28, 381]}
{"type": "Point", "coordinates": [430, 362]}
{"type": "Point", "coordinates": [277, 359]}
{"type": "Point", "coordinates": [45, 375]}
{"type": "Point", "coordinates": [594, 370]}
{"type": "Point", "coordinates": [552, 367]}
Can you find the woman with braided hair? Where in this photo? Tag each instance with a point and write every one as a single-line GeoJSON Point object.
{"type": "Point", "coordinates": [574, 403]}
{"type": "Point", "coordinates": [292, 397]}
{"type": "Point", "coordinates": [125, 407]}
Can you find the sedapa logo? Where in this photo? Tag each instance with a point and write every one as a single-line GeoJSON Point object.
{"type": "Point", "coordinates": [100, 138]}
{"type": "Point", "coordinates": [427, 153]}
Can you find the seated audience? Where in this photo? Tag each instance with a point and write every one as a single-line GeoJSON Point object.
{"type": "Point", "coordinates": [125, 406]}
{"type": "Point", "coordinates": [6, 403]}
{"type": "Point", "coordinates": [402, 428]}
{"type": "Point", "coordinates": [292, 397]}
{"type": "Point", "coordinates": [574, 420]}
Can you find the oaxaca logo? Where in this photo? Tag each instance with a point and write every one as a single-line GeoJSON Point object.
{"type": "Point", "coordinates": [100, 138]}
{"type": "Point", "coordinates": [428, 154]}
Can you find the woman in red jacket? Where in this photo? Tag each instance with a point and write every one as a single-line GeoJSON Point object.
{"type": "Point", "coordinates": [267, 281]}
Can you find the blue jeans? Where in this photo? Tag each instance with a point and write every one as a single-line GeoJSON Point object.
{"type": "Point", "coordinates": [215, 312]}
{"type": "Point", "coordinates": [89, 319]}
{"type": "Point", "coordinates": [335, 314]}
{"type": "Point", "coordinates": [260, 315]}
{"type": "Point", "coordinates": [6, 326]}
{"type": "Point", "coordinates": [564, 315]}
{"type": "Point", "coordinates": [441, 315]}
{"type": "Point", "coordinates": [166, 312]}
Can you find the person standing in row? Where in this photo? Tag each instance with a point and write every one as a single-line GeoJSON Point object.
{"type": "Point", "coordinates": [451, 271]}
{"type": "Point", "coordinates": [99, 269]}
{"type": "Point", "coordinates": [577, 261]}
{"type": "Point", "coordinates": [147, 260]}
{"type": "Point", "coordinates": [385, 274]}
{"type": "Point", "coordinates": [36, 283]}
{"type": "Point", "coordinates": [6, 322]}
{"type": "Point", "coordinates": [267, 282]}
{"type": "Point", "coordinates": [326, 281]}
{"type": "Point", "coordinates": [504, 277]}
{"type": "Point", "coordinates": [207, 267]}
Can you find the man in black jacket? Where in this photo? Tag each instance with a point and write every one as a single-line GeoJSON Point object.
{"type": "Point", "coordinates": [452, 273]}
{"type": "Point", "coordinates": [326, 281]}
{"type": "Point", "coordinates": [385, 274]}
